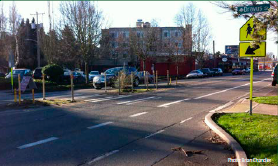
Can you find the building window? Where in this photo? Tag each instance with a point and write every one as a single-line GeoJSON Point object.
{"type": "Point", "coordinates": [165, 34]}
{"type": "Point", "coordinates": [113, 35]}
{"type": "Point", "coordinates": [138, 34]}
{"type": "Point", "coordinates": [125, 34]}
{"type": "Point", "coordinates": [177, 34]}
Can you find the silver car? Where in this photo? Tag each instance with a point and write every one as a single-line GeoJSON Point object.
{"type": "Point", "coordinates": [195, 74]}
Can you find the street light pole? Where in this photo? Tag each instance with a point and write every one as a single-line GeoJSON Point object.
{"type": "Point", "coordinates": [38, 39]}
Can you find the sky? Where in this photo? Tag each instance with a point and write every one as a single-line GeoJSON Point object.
{"type": "Point", "coordinates": [224, 29]}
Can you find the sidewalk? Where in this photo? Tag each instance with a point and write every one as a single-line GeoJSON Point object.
{"type": "Point", "coordinates": [243, 105]}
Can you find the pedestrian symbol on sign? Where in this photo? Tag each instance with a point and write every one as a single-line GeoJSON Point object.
{"type": "Point", "coordinates": [249, 30]}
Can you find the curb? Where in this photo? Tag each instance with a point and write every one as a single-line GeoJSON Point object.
{"type": "Point", "coordinates": [239, 152]}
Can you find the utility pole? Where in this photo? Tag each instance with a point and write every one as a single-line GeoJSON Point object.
{"type": "Point", "coordinates": [38, 39]}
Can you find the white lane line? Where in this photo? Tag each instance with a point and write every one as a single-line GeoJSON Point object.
{"type": "Point", "coordinates": [106, 98]}
{"type": "Point", "coordinates": [136, 101]}
{"type": "Point", "coordinates": [103, 156]}
{"type": "Point", "coordinates": [160, 131]}
{"type": "Point", "coordinates": [185, 120]}
{"type": "Point", "coordinates": [99, 125]}
{"type": "Point", "coordinates": [141, 101]}
{"type": "Point", "coordinates": [37, 143]}
{"type": "Point", "coordinates": [222, 107]}
{"type": "Point", "coordinates": [175, 102]}
{"type": "Point", "coordinates": [138, 114]}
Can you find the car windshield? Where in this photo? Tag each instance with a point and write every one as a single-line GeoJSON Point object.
{"type": "Point", "coordinates": [214, 69]}
{"type": "Point", "coordinates": [94, 72]}
{"type": "Point", "coordinates": [18, 71]}
{"type": "Point", "coordinates": [205, 70]}
{"type": "Point", "coordinates": [112, 71]}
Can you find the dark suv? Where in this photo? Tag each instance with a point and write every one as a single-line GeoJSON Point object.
{"type": "Point", "coordinates": [207, 72]}
{"type": "Point", "coordinates": [274, 75]}
{"type": "Point", "coordinates": [111, 74]}
{"type": "Point", "coordinates": [37, 73]}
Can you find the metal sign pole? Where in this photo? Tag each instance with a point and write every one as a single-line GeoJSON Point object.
{"type": "Point", "coordinates": [251, 85]}
{"type": "Point", "coordinates": [12, 79]}
{"type": "Point", "coordinates": [105, 82]}
{"type": "Point", "coordinates": [43, 87]}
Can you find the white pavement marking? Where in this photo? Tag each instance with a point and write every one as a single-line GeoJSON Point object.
{"type": "Point", "coordinates": [160, 131]}
{"type": "Point", "coordinates": [175, 102]}
{"type": "Point", "coordinates": [141, 113]}
{"type": "Point", "coordinates": [178, 101]}
{"type": "Point", "coordinates": [185, 120]}
{"type": "Point", "coordinates": [222, 107]}
{"type": "Point", "coordinates": [99, 125]}
{"type": "Point", "coordinates": [103, 156]}
{"type": "Point", "coordinates": [137, 101]}
{"type": "Point", "coordinates": [106, 98]}
{"type": "Point", "coordinates": [37, 143]}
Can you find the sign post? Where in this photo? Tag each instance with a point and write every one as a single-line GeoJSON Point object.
{"type": "Point", "coordinates": [43, 87]}
{"type": "Point", "coordinates": [246, 49]}
{"type": "Point", "coordinates": [19, 89]}
{"type": "Point", "coordinates": [71, 85]}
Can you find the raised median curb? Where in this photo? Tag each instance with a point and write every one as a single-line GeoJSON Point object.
{"type": "Point", "coordinates": [239, 152]}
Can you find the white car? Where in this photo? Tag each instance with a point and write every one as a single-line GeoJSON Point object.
{"type": "Point", "coordinates": [92, 74]}
{"type": "Point", "coordinates": [195, 74]}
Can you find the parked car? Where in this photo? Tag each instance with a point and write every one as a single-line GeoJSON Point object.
{"type": "Point", "coordinates": [238, 71]}
{"type": "Point", "coordinates": [195, 74]}
{"type": "Point", "coordinates": [111, 74]}
{"type": "Point", "coordinates": [274, 75]}
{"type": "Point", "coordinates": [141, 77]}
{"type": "Point", "coordinates": [207, 72]}
{"type": "Point", "coordinates": [22, 72]}
{"type": "Point", "coordinates": [37, 73]}
{"type": "Point", "coordinates": [78, 77]}
{"type": "Point", "coordinates": [66, 76]}
{"type": "Point", "coordinates": [92, 74]}
{"type": "Point", "coordinates": [247, 70]}
{"type": "Point", "coordinates": [217, 71]}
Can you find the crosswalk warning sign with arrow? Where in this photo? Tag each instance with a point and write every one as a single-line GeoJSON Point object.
{"type": "Point", "coordinates": [247, 30]}
{"type": "Point", "coordinates": [246, 50]}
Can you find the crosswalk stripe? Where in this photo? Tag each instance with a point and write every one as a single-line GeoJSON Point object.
{"type": "Point", "coordinates": [106, 98]}
{"type": "Point", "coordinates": [135, 101]}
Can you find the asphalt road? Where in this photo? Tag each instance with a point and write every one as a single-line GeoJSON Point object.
{"type": "Point", "coordinates": [137, 129]}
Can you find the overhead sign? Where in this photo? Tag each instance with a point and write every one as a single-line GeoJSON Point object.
{"type": "Point", "coordinates": [231, 49]}
{"type": "Point", "coordinates": [247, 30]}
{"type": "Point", "coordinates": [246, 50]}
{"type": "Point", "coordinates": [253, 9]}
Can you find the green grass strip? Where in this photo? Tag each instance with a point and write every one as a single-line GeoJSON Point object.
{"type": "Point", "coordinates": [273, 100]}
{"type": "Point", "coordinates": [256, 133]}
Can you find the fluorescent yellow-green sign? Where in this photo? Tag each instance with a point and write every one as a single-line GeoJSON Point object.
{"type": "Point", "coordinates": [246, 50]}
{"type": "Point", "coordinates": [247, 30]}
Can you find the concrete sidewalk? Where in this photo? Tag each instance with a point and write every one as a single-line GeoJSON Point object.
{"type": "Point", "coordinates": [243, 105]}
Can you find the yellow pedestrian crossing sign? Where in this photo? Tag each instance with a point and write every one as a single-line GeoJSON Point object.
{"type": "Point", "coordinates": [246, 50]}
{"type": "Point", "coordinates": [247, 30]}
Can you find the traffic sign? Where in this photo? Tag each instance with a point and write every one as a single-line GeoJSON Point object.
{"type": "Point", "coordinates": [247, 30]}
{"type": "Point", "coordinates": [253, 9]}
{"type": "Point", "coordinates": [246, 50]}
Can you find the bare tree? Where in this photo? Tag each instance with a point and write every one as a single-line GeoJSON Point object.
{"type": "Point", "coordinates": [202, 37]}
{"type": "Point", "coordinates": [3, 19]}
{"type": "Point", "coordinates": [86, 21]}
{"type": "Point", "coordinates": [14, 22]}
{"type": "Point", "coordinates": [263, 20]}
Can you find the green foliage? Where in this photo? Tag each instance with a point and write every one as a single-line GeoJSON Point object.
{"type": "Point", "coordinates": [257, 134]}
{"type": "Point", "coordinates": [273, 100]}
{"type": "Point", "coordinates": [53, 71]}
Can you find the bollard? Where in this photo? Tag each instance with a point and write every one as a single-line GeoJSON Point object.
{"type": "Point", "coordinates": [15, 98]}
{"type": "Point", "coordinates": [43, 87]}
{"type": "Point", "coordinates": [170, 81]}
{"type": "Point", "coordinates": [168, 77]}
{"type": "Point", "coordinates": [176, 81]}
{"type": "Point", "coordinates": [72, 90]}
{"type": "Point", "coordinates": [131, 82]}
{"type": "Point", "coordinates": [147, 80]}
{"type": "Point", "coordinates": [19, 89]}
{"type": "Point", "coordinates": [33, 96]}
{"type": "Point", "coordinates": [105, 82]}
{"type": "Point", "coordinates": [156, 79]}
{"type": "Point", "coordinates": [153, 78]}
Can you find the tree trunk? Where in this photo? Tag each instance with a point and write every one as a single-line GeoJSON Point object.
{"type": "Point", "coordinates": [144, 65]}
{"type": "Point", "coordinates": [86, 72]}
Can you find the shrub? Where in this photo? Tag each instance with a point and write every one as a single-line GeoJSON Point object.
{"type": "Point", "coordinates": [53, 71]}
{"type": "Point", "coordinates": [125, 80]}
